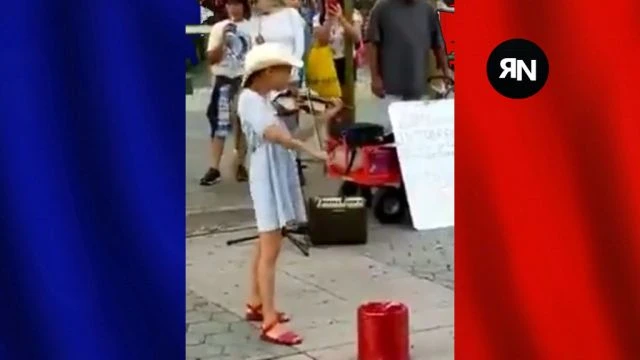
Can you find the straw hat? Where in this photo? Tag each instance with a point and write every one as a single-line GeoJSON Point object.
{"type": "Point", "coordinates": [267, 55]}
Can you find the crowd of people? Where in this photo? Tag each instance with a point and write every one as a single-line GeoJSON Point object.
{"type": "Point", "coordinates": [238, 25]}
{"type": "Point", "coordinates": [257, 51]}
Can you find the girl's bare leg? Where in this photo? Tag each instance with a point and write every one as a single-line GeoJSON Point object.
{"type": "Point", "coordinates": [254, 291]}
{"type": "Point", "coordinates": [270, 244]}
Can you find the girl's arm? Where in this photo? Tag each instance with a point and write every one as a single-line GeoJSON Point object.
{"type": "Point", "coordinates": [275, 134]}
{"type": "Point", "coordinates": [261, 117]}
{"type": "Point", "coordinates": [304, 133]}
{"type": "Point", "coordinates": [351, 30]}
{"type": "Point", "coordinates": [321, 32]}
{"type": "Point", "coordinates": [333, 111]}
{"type": "Point", "coordinates": [215, 55]}
{"type": "Point", "coordinates": [215, 45]}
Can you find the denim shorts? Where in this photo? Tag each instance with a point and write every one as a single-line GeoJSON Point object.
{"type": "Point", "coordinates": [221, 108]}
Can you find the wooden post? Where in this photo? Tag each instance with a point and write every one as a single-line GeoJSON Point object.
{"type": "Point", "coordinates": [348, 90]}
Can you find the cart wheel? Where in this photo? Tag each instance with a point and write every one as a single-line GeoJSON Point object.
{"type": "Point", "coordinates": [389, 205]}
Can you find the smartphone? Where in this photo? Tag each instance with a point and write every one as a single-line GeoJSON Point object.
{"type": "Point", "coordinates": [330, 4]}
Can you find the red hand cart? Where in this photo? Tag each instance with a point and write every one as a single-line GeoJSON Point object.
{"type": "Point", "coordinates": [373, 170]}
{"type": "Point", "coordinates": [370, 167]}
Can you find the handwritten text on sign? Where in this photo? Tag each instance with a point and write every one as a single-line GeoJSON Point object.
{"type": "Point", "coordinates": [424, 141]}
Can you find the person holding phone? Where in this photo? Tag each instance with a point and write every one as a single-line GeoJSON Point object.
{"type": "Point", "coordinates": [332, 27]}
{"type": "Point", "coordinates": [277, 22]}
{"type": "Point", "coordinates": [273, 178]}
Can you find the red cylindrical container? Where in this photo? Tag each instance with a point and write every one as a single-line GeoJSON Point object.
{"type": "Point", "coordinates": [383, 331]}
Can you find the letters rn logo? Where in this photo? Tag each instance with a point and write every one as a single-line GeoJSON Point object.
{"type": "Point", "coordinates": [517, 68]}
{"type": "Point", "coordinates": [514, 68]}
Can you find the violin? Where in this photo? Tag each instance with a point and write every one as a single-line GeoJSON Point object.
{"type": "Point", "coordinates": [290, 102]}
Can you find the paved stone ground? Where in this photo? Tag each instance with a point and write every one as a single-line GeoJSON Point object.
{"type": "Point", "coordinates": [316, 291]}
{"type": "Point", "coordinates": [216, 333]}
{"type": "Point", "coordinates": [321, 292]}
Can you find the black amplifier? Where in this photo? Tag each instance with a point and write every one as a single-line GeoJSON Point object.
{"type": "Point", "coordinates": [337, 220]}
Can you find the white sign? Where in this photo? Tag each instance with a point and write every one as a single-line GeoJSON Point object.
{"type": "Point", "coordinates": [424, 140]}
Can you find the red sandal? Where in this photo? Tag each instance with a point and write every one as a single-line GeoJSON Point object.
{"type": "Point", "coordinates": [254, 313]}
{"type": "Point", "coordinates": [288, 338]}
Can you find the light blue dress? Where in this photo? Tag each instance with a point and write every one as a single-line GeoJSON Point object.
{"type": "Point", "coordinates": [273, 173]}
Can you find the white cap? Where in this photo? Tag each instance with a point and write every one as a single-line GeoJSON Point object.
{"type": "Point", "coordinates": [267, 55]}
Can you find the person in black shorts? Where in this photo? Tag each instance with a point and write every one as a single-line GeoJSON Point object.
{"type": "Point", "coordinates": [229, 42]}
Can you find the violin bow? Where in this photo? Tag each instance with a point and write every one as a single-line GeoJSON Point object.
{"type": "Point", "coordinates": [307, 96]}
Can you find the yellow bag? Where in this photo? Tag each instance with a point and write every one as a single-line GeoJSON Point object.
{"type": "Point", "coordinates": [321, 72]}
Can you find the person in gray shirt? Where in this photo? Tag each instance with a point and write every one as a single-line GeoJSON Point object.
{"type": "Point", "coordinates": [399, 37]}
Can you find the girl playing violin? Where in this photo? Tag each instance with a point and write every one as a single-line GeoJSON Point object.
{"type": "Point", "coordinates": [273, 177]}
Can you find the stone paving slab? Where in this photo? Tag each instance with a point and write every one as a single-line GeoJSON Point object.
{"type": "Point", "coordinates": [436, 344]}
{"type": "Point", "coordinates": [424, 254]}
{"type": "Point", "coordinates": [432, 345]}
{"type": "Point", "coordinates": [214, 333]}
{"type": "Point", "coordinates": [295, 357]}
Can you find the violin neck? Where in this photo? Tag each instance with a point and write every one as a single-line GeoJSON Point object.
{"type": "Point", "coordinates": [314, 98]}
